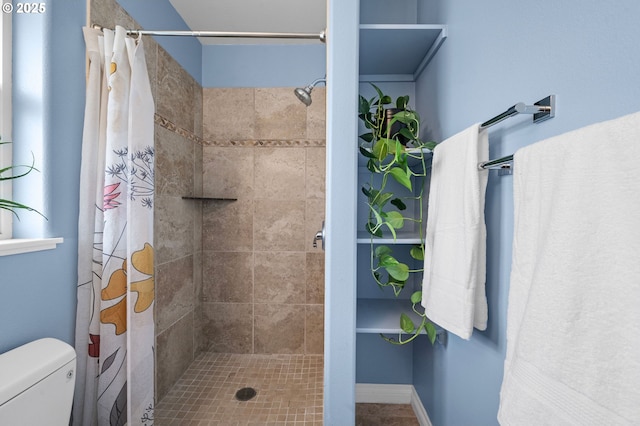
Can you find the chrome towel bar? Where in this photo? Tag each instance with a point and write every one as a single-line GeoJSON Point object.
{"type": "Point", "coordinates": [542, 110]}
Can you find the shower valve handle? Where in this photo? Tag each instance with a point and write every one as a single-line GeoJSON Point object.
{"type": "Point", "coordinates": [319, 237]}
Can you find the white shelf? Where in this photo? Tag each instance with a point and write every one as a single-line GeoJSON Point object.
{"type": "Point", "coordinates": [398, 52]}
{"type": "Point", "coordinates": [362, 160]}
{"type": "Point", "coordinates": [402, 238]}
{"type": "Point", "coordinates": [383, 315]}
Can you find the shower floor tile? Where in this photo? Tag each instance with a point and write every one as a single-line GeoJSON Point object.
{"type": "Point", "coordinates": [289, 391]}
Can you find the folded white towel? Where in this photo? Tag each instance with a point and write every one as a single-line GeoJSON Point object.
{"type": "Point", "coordinates": [453, 292]}
{"type": "Point", "coordinates": [573, 322]}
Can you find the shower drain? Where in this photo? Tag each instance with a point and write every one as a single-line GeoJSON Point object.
{"type": "Point", "coordinates": [245, 394]}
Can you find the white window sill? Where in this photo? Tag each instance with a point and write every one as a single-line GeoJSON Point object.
{"type": "Point", "coordinates": [17, 245]}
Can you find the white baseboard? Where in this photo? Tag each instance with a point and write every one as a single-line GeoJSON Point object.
{"type": "Point", "coordinates": [418, 409]}
{"type": "Point", "coordinates": [373, 393]}
{"type": "Point", "coordinates": [392, 394]}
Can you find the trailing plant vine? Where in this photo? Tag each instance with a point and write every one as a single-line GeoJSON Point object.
{"type": "Point", "coordinates": [393, 150]}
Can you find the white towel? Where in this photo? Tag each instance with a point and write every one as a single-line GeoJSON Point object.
{"type": "Point", "coordinates": [573, 322]}
{"type": "Point", "coordinates": [453, 292]}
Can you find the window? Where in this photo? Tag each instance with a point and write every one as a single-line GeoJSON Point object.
{"type": "Point", "coordinates": [5, 119]}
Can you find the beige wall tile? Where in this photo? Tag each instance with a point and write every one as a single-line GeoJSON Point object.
{"type": "Point", "coordinates": [228, 327]}
{"type": "Point", "coordinates": [197, 225]}
{"type": "Point", "coordinates": [314, 215]}
{"type": "Point", "coordinates": [175, 92]}
{"type": "Point", "coordinates": [279, 225]}
{"type": "Point", "coordinates": [174, 164]}
{"type": "Point", "coordinates": [151, 58]}
{"type": "Point", "coordinates": [199, 344]}
{"type": "Point", "coordinates": [198, 107]}
{"type": "Point", "coordinates": [228, 277]}
{"type": "Point", "coordinates": [174, 353]}
{"type": "Point", "coordinates": [315, 165]}
{"type": "Point", "coordinates": [228, 172]}
{"type": "Point", "coordinates": [314, 329]}
{"type": "Point", "coordinates": [197, 277]}
{"type": "Point", "coordinates": [228, 225]}
{"type": "Point", "coordinates": [279, 329]}
{"type": "Point", "coordinates": [279, 114]}
{"type": "Point", "coordinates": [314, 278]}
{"type": "Point", "coordinates": [316, 113]}
{"type": "Point", "coordinates": [174, 292]}
{"type": "Point", "coordinates": [103, 12]}
{"type": "Point", "coordinates": [280, 173]}
{"type": "Point", "coordinates": [278, 277]}
{"type": "Point", "coordinates": [198, 164]}
{"type": "Point", "coordinates": [108, 13]}
{"type": "Point", "coordinates": [173, 227]}
{"type": "Point", "coordinates": [228, 113]}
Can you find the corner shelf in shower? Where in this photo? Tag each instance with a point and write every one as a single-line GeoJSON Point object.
{"type": "Point", "coordinates": [208, 198]}
{"type": "Point", "coordinates": [398, 52]}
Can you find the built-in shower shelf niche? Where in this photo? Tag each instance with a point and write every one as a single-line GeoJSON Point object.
{"type": "Point", "coordinates": [202, 198]}
{"type": "Point", "coordinates": [398, 52]}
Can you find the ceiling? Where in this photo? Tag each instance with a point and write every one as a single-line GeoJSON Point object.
{"type": "Point", "coordinates": [299, 16]}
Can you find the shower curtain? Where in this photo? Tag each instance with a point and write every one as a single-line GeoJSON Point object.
{"type": "Point", "coordinates": [114, 321]}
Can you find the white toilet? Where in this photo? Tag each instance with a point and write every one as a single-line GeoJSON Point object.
{"type": "Point", "coordinates": [36, 384]}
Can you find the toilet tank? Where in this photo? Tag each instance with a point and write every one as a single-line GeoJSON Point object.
{"type": "Point", "coordinates": [36, 384]}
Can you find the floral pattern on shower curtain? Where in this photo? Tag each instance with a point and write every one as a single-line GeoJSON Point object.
{"type": "Point", "coordinates": [114, 321]}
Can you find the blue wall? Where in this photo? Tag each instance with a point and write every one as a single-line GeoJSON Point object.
{"type": "Point", "coordinates": [38, 290]}
{"type": "Point", "coordinates": [160, 15]}
{"type": "Point", "coordinates": [585, 52]}
{"type": "Point", "coordinates": [262, 65]}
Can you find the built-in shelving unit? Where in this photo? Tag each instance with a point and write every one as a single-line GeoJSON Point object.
{"type": "Point", "coordinates": [392, 53]}
{"type": "Point", "coordinates": [398, 52]}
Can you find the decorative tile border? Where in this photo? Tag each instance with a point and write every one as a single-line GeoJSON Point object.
{"type": "Point", "coordinates": [170, 126]}
{"type": "Point", "coordinates": [267, 143]}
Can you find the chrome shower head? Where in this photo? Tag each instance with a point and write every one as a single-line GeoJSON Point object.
{"type": "Point", "coordinates": [305, 94]}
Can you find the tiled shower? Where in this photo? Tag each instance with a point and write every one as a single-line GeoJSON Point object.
{"type": "Point", "coordinates": [263, 280]}
{"type": "Point", "coordinates": [232, 277]}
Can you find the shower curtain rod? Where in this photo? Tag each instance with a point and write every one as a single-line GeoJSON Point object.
{"type": "Point", "coordinates": [542, 110]}
{"type": "Point", "coordinates": [322, 36]}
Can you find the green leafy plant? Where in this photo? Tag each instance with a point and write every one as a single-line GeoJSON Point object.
{"type": "Point", "coordinates": [393, 150]}
{"type": "Point", "coordinates": [7, 173]}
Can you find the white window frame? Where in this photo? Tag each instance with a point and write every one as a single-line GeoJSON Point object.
{"type": "Point", "coordinates": [6, 217]}
{"type": "Point", "coordinates": [9, 245]}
